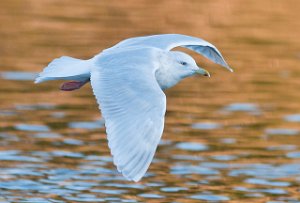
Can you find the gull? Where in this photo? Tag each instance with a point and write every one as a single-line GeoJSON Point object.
{"type": "Point", "coordinates": [128, 81]}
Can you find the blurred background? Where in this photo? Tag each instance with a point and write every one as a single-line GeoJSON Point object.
{"type": "Point", "coordinates": [233, 137]}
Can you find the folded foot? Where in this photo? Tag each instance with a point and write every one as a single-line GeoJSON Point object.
{"type": "Point", "coordinates": [73, 85]}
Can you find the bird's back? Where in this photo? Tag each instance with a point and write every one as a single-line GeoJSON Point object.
{"type": "Point", "coordinates": [128, 58]}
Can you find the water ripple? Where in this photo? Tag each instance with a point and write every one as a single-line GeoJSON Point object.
{"type": "Point", "coordinates": [7, 113]}
{"type": "Point", "coordinates": [79, 185]}
{"type": "Point", "coordinates": [216, 165]}
{"type": "Point", "coordinates": [191, 146]}
{"type": "Point", "coordinates": [187, 157]}
{"type": "Point", "coordinates": [228, 140]}
{"type": "Point", "coordinates": [91, 125]}
{"type": "Point", "coordinates": [73, 142]}
{"type": "Point", "coordinates": [151, 196]}
{"type": "Point", "coordinates": [36, 200]}
{"type": "Point", "coordinates": [282, 147]}
{"type": "Point", "coordinates": [193, 169]}
{"type": "Point", "coordinates": [257, 181]}
{"type": "Point", "coordinates": [127, 185]}
{"type": "Point", "coordinates": [61, 153]}
{"type": "Point", "coordinates": [173, 189]}
{"type": "Point", "coordinates": [273, 191]}
{"type": "Point", "coordinates": [15, 155]}
{"type": "Point", "coordinates": [23, 184]}
{"type": "Point", "coordinates": [9, 137]}
{"type": "Point", "coordinates": [224, 157]}
{"type": "Point", "coordinates": [20, 172]}
{"type": "Point", "coordinates": [27, 127]}
{"type": "Point", "coordinates": [242, 107]}
{"type": "Point", "coordinates": [292, 118]}
{"type": "Point", "coordinates": [47, 135]}
{"type": "Point", "coordinates": [206, 126]}
{"type": "Point", "coordinates": [209, 197]}
{"type": "Point", "coordinates": [281, 131]}
{"type": "Point", "coordinates": [39, 106]}
{"type": "Point", "coordinates": [263, 170]}
{"type": "Point", "coordinates": [84, 198]}
{"type": "Point", "coordinates": [110, 192]}
{"type": "Point", "coordinates": [294, 155]}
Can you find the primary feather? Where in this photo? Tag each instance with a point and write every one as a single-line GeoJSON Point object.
{"type": "Point", "coordinates": [133, 106]}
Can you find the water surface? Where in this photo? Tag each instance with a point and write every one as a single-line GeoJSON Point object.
{"type": "Point", "coordinates": [231, 138]}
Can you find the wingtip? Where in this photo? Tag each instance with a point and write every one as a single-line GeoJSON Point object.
{"type": "Point", "coordinates": [134, 178]}
{"type": "Point", "coordinates": [121, 171]}
{"type": "Point", "coordinates": [38, 80]}
{"type": "Point", "coordinates": [230, 69]}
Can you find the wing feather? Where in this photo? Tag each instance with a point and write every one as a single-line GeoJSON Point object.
{"type": "Point", "coordinates": [133, 106]}
{"type": "Point", "coordinates": [170, 41]}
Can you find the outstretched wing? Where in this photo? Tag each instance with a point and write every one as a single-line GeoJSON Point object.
{"type": "Point", "coordinates": [133, 106]}
{"type": "Point", "coordinates": [170, 41]}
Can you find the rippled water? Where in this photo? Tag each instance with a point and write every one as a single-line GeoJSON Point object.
{"type": "Point", "coordinates": [230, 138]}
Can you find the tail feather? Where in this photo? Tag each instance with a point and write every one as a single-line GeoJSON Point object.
{"type": "Point", "coordinates": [65, 68]}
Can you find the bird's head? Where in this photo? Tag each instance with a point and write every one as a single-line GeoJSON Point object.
{"type": "Point", "coordinates": [184, 65]}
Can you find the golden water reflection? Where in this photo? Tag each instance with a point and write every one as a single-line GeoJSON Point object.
{"type": "Point", "coordinates": [233, 137]}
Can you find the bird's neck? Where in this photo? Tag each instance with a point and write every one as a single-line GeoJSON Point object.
{"type": "Point", "coordinates": [165, 75]}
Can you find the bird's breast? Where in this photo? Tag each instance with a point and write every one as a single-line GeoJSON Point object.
{"type": "Point", "coordinates": [165, 74]}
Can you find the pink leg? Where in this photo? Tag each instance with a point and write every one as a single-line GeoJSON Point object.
{"type": "Point", "coordinates": [73, 85]}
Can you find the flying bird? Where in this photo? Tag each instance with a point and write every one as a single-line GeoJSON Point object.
{"type": "Point", "coordinates": [128, 80]}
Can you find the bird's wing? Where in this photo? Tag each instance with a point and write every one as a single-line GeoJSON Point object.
{"type": "Point", "coordinates": [133, 106]}
{"type": "Point", "coordinates": [170, 41]}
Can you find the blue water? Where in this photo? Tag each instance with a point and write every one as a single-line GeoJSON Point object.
{"type": "Point", "coordinates": [89, 176]}
{"type": "Point", "coordinates": [233, 137]}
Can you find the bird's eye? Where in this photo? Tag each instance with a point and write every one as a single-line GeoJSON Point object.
{"type": "Point", "coordinates": [183, 63]}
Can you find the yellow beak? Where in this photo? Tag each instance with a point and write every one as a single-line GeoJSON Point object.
{"type": "Point", "coordinates": [203, 72]}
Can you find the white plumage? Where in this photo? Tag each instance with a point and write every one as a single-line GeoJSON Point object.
{"type": "Point", "coordinates": [128, 80]}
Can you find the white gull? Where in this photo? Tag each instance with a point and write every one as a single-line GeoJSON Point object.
{"type": "Point", "coordinates": [128, 80]}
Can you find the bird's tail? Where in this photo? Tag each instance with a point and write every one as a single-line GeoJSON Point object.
{"type": "Point", "coordinates": [66, 68]}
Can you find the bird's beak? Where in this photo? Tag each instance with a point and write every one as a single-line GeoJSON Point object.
{"type": "Point", "coordinates": [202, 71]}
